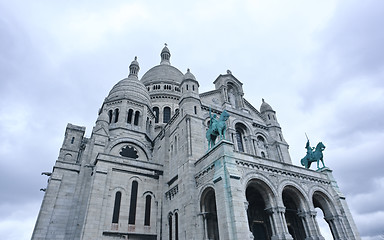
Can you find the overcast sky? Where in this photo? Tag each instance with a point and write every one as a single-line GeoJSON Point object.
{"type": "Point", "coordinates": [319, 64]}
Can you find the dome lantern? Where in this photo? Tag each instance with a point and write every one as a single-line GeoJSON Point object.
{"type": "Point", "coordinates": [134, 68]}
{"type": "Point", "coordinates": [165, 55]}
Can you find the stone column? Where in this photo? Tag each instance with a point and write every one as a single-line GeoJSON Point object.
{"type": "Point", "coordinates": [337, 227]}
{"type": "Point", "coordinates": [310, 225]}
{"type": "Point", "coordinates": [278, 223]}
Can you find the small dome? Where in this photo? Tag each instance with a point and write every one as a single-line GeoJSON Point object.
{"type": "Point", "coordinates": [130, 88]}
{"type": "Point", "coordinates": [189, 75]}
{"type": "Point", "coordinates": [265, 107]}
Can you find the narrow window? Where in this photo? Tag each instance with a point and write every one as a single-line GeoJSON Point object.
{"type": "Point", "coordinates": [195, 109]}
{"type": "Point", "coordinates": [156, 112]}
{"type": "Point", "coordinates": [193, 87]}
{"type": "Point", "coordinates": [116, 208]}
{"type": "Point", "coordinates": [263, 154]}
{"type": "Point", "coordinates": [72, 140]}
{"type": "Point", "coordinates": [170, 226]}
{"type": "Point", "coordinates": [116, 115]}
{"type": "Point", "coordinates": [176, 226]}
{"type": "Point", "coordinates": [147, 216]}
{"type": "Point", "coordinates": [269, 117]}
{"type": "Point", "coordinates": [110, 113]}
{"type": "Point", "coordinates": [132, 206]}
{"type": "Point", "coordinates": [166, 114]}
{"type": "Point", "coordinates": [281, 139]}
{"type": "Point", "coordinates": [239, 139]}
{"type": "Point", "coordinates": [130, 113]}
{"type": "Point", "coordinates": [187, 87]}
{"type": "Point", "coordinates": [137, 115]}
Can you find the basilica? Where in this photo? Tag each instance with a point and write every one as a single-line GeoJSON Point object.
{"type": "Point", "coordinates": [151, 169]}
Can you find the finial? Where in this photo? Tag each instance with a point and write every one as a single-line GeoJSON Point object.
{"type": "Point", "coordinates": [187, 69]}
{"type": "Point", "coordinates": [229, 71]}
{"type": "Point", "coordinates": [165, 44]}
{"type": "Point", "coordinates": [135, 58]}
{"type": "Point", "coordinates": [262, 99]}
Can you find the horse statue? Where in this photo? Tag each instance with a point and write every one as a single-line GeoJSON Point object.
{"type": "Point", "coordinates": [217, 127]}
{"type": "Point", "coordinates": [313, 155]}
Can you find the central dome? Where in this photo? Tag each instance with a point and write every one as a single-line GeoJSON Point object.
{"type": "Point", "coordinates": [162, 73]}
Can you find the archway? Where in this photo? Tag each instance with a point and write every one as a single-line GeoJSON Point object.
{"type": "Point", "coordinates": [209, 212]}
{"type": "Point", "coordinates": [258, 219]}
{"type": "Point", "coordinates": [292, 200]}
{"type": "Point", "coordinates": [324, 210]}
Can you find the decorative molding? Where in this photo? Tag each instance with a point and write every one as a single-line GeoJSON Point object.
{"type": "Point", "coordinates": [280, 171]}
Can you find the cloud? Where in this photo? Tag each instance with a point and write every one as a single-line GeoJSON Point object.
{"type": "Point", "coordinates": [319, 65]}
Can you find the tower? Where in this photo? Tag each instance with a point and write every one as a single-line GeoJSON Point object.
{"type": "Point", "coordinates": [146, 171]}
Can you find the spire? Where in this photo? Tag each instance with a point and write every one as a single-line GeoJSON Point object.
{"type": "Point", "coordinates": [134, 68]}
{"type": "Point", "coordinates": [165, 55]}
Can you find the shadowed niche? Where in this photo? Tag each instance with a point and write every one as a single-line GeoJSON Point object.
{"type": "Point", "coordinates": [129, 151]}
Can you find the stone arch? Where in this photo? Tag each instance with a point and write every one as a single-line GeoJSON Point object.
{"type": "Point", "coordinates": [233, 94]}
{"type": "Point", "coordinates": [296, 204]}
{"type": "Point", "coordinates": [119, 188]}
{"type": "Point", "coordinates": [322, 200]}
{"type": "Point", "coordinates": [208, 210]}
{"type": "Point", "coordinates": [261, 200]}
{"type": "Point", "coordinates": [260, 144]}
{"type": "Point", "coordinates": [241, 134]}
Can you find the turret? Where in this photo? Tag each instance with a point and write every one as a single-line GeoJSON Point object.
{"type": "Point", "coordinates": [268, 114]}
{"type": "Point", "coordinates": [279, 145]}
{"type": "Point", "coordinates": [190, 100]}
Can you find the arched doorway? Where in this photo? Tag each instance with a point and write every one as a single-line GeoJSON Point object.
{"type": "Point", "coordinates": [209, 212]}
{"type": "Point", "coordinates": [258, 219]}
{"type": "Point", "coordinates": [324, 210]}
{"type": "Point", "coordinates": [292, 200]}
{"type": "Point", "coordinates": [259, 197]}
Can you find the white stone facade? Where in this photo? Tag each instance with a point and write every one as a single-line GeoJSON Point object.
{"type": "Point", "coordinates": [146, 171]}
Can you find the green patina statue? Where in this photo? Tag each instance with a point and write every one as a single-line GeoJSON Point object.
{"type": "Point", "coordinates": [313, 155]}
{"type": "Point", "coordinates": [217, 127]}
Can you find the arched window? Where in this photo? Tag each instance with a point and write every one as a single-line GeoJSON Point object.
{"type": "Point", "coordinates": [193, 87]}
{"type": "Point", "coordinates": [72, 140]}
{"type": "Point", "coordinates": [130, 113]}
{"type": "Point", "coordinates": [147, 214]}
{"type": "Point", "coordinates": [176, 226]}
{"type": "Point", "coordinates": [133, 203]}
{"type": "Point", "coordinates": [116, 115]}
{"type": "Point", "coordinates": [156, 112]}
{"type": "Point", "coordinates": [166, 114]}
{"type": "Point", "coordinates": [241, 130]}
{"type": "Point", "coordinates": [137, 115]}
{"type": "Point", "coordinates": [170, 226]}
{"type": "Point", "coordinates": [239, 140]}
{"type": "Point", "coordinates": [116, 208]}
{"type": "Point", "coordinates": [110, 113]}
